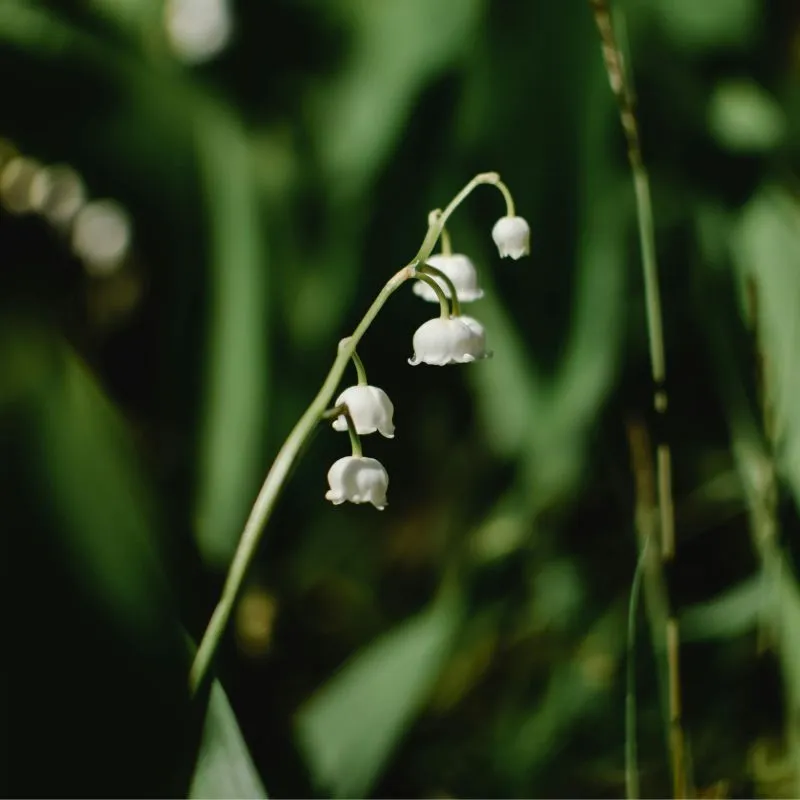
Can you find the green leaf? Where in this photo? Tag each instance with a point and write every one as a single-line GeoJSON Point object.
{"type": "Point", "coordinates": [397, 45]}
{"type": "Point", "coordinates": [236, 355]}
{"type": "Point", "coordinates": [743, 117]}
{"type": "Point", "coordinates": [224, 767]}
{"type": "Point", "coordinates": [529, 739]}
{"type": "Point", "coordinates": [710, 23]}
{"type": "Point", "coordinates": [143, 20]}
{"type": "Point", "coordinates": [90, 468]}
{"type": "Point", "coordinates": [396, 48]}
{"type": "Point", "coordinates": [781, 618]}
{"type": "Point", "coordinates": [102, 699]}
{"type": "Point", "coordinates": [107, 521]}
{"type": "Point", "coordinates": [733, 613]}
{"type": "Point", "coordinates": [766, 247]}
{"type": "Point", "coordinates": [349, 729]}
{"type": "Point", "coordinates": [546, 423]}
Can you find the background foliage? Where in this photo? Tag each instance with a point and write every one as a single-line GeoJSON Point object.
{"type": "Point", "coordinates": [469, 641]}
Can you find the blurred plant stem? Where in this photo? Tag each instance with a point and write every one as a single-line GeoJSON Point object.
{"type": "Point", "coordinates": [623, 92]}
{"type": "Point", "coordinates": [276, 477]}
{"type": "Point", "coordinates": [631, 749]}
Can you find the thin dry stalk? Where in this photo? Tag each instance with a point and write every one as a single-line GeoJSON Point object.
{"type": "Point", "coordinates": [663, 627]}
{"type": "Point", "coordinates": [623, 92]}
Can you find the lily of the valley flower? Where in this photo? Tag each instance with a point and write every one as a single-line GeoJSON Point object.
{"type": "Point", "coordinates": [512, 237]}
{"type": "Point", "coordinates": [357, 479]}
{"type": "Point", "coordinates": [479, 335]}
{"type": "Point", "coordinates": [457, 340]}
{"type": "Point", "coordinates": [370, 409]}
{"type": "Point", "coordinates": [461, 272]}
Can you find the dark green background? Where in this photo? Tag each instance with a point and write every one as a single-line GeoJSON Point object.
{"type": "Point", "coordinates": [272, 192]}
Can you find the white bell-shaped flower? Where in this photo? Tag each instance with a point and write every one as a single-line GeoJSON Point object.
{"type": "Point", "coordinates": [457, 340]}
{"type": "Point", "coordinates": [512, 236]}
{"type": "Point", "coordinates": [460, 270]}
{"type": "Point", "coordinates": [357, 479]}
{"type": "Point", "coordinates": [370, 409]}
{"type": "Point", "coordinates": [479, 334]}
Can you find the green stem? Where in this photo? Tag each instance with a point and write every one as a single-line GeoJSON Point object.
{"type": "Point", "coordinates": [360, 371]}
{"type": "Point", "coordinates": [510, 210]}
{"type": "Point", "coordinates": [447, 244]}
{"type": "Point", "coordinates": [335, 412]}
{"type": "Point", "coordinates": [273, 483]}
{"type": "Point", "coordinates": [355, 441]}
{"type": "Point", "coordinates": [444, 306]}
{"type": "Point", "coordinates": [631, 749]}
{"type": "Point", "coordinates": [427, 269]}
{"type": "Point", "coordinates": [435, 229]}
{"type": "Point", "coordinates": [622, 87]}
{"type": "Point", "coordinates": [647, 242]}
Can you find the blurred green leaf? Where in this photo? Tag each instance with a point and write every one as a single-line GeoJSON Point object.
{"type": "Point", "coordinates": [236, 361]}
{"type": "Point", "coordinates": [397, 45]}
{"type": "Point", "coordinates": [224, 768]}
{"type": "Point", "coordinates": [546, 422]}
{"type": "Point", "coordinates": [743, 117]}
{"type": "Point", "coordinates": [510, 391]}
{"type": "Point", "coordinates": [529, 738]}
{"type": "Point", "coordinates": [91, 471]}
{"type": "Point", "coordinates": [766, 247]}
{"type": "Point", "coordinates": [781, 619]}
{"type": "Point", "coordinates": [142, 19]}
{"type": "Point", "coordinates": [96, 629]}
{"type": "Point", "coordinates": [29, 26]}
{"type": "Point", "coordinates": [349, 729]}
{"type": "Point", "coordinates": [357, 117]}
{"type": "Point", "coordinates": [236, 371]}
{"type": "Point", "coordinates": [710, 23]}
{"type": "Point", "coordinates": [733, 613]}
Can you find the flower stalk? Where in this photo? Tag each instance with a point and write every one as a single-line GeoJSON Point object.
{"type": "Point", "coordinates": [435, 229]}
{"type": "Point", "coordinates": [355, 478]}
{"type": "Point", "coordinates": [435, 272]}
{"type": "Point", "coordinates": [361, 373]}
{"type": "Point", "coordinates": [444, 305]}
{"type": "Point", "coordinates": [273, 483]}
{"type": "Point", "coordinates": [355, 440]}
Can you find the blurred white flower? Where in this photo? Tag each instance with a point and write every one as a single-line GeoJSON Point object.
{"type": "Point", "coordinates": [512, 237]}
{"type": "Point", "coordinates": [357, 479]}
{"type": "Point", "coordinates": [101, 235]}
{"type": "Point", "coordinates": [458, 340]}
{"type": "Point", "coordinates": [198, 29]}
{"type": "Point", "coordinates": [370, 409]}
{"type": "Point", "coordinates": [16, 179]}
{"type": "Point", "coordinates": [461, 272]}
{"type": "Point", "coordinates": [58, 193]}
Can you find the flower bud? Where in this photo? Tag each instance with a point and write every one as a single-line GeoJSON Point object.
{"type": "Point", "coordinates": [461, 272]}
{"type": "Point", "coordinates": [441, 341]}
{"type": "Point", "coordinates": [512, 237]}
{"type": "Point", "coordinates": [370, 409]}
{"type": "Point", "coordinates": [357, 479]}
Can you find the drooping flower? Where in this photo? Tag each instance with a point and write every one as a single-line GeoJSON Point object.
{"type": "Point", "coordinates": [461, 271]}
{"type": "Point", "coordinates": [512, 237]}
{"type": "Point", "coordinates": [457, 340]}
{"type": "Point", "coordinates": [370, 409]}
{"type": "Point", "coordinates": [479, 334]}
{"type": "Point", "coordinates": [357, 479]}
